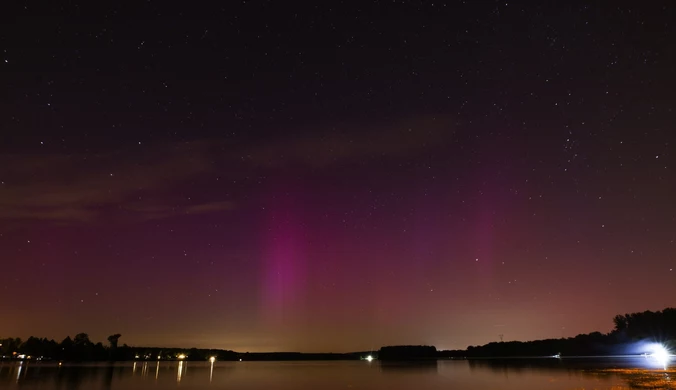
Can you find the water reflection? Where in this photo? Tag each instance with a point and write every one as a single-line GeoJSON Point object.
{"type": "Point", "coordinates": [421, 366]}
{"type": "Point", "coordinates": [522, 374]}
{"type": "Point", "coordinates": [521, 364]}
{"type": "Point", "coordinates": [107, 381]}
{"type": "Point", "coordinates": [70, 377]}
{"type": "Point", "coordinates": [180, 371]}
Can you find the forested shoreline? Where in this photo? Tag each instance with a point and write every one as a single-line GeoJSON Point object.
{"type": "Point", "coordinates": [630, 329]}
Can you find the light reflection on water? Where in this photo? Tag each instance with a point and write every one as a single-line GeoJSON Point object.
{"type": "Point", "coordinates": [523, 374]}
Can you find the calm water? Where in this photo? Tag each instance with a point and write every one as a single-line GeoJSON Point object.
{"type": "Point", "coordinates": [446, 374]}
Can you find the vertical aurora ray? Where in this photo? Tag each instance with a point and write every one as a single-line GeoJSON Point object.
{"type": "Point", "coordinates": [284, 271]}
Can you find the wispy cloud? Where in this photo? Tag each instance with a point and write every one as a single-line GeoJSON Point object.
{"type": "Point", "coordinates": [80, 188]}
{"type": "Point", "coordinates": [349, 143]}
{"type": "Point", "coordinates": [138, 184]}
{"type": "Point", "coordinates": [210, 207]}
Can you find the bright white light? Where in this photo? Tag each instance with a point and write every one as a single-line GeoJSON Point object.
{"type": "Point", "coordinates": [181, 356]}
{"type": "Point", "coordinates": [369, 358]}
{"type": "Point", "coordinates": [212, 359]}
{"type": "Point", "coordinates": [661, 354]}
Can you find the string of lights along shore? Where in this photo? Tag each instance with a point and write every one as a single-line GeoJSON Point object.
{"type": "Point", "coordinates": [335, 176]}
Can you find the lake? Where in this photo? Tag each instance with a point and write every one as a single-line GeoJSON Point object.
{"type": "Point", "coordinates": [558, 374]}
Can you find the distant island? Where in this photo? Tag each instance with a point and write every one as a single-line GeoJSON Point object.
{"type": "Point", "coordinates": [659, 326]}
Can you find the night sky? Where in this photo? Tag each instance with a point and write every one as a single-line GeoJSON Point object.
{"type": "Point", "coordinates": [335, 176]}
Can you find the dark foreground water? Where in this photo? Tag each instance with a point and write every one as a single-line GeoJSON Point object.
{"type": "Point", "coordinates": [445, 374]}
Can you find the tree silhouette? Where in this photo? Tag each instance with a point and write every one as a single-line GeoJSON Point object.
{"type": "Point", "coordinates": [407, 352]}
{"type": "Point", "coordinates": [81, 340]}
{"type": "Point", "coordinates": [10, 345]}
{"type": "Point", "coordinates": [113, 339]}
{"type": "Point", "coordinates": [113, 352]}
{"type": "Point", "coordinates": [659, 325]}
{"type": "Point", "coordinates": [620, 323]}
{"type": "Point", "coordinates": [83, 348]}
{"type": "Point", "coordinates": [66, 347]}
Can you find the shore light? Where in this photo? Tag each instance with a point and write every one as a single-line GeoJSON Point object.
{"type": "Point", "coordinates": [661, 354]}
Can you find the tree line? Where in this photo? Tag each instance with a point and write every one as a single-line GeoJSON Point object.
{"type": "Point", "coordinates": [658, 326]}
{"type": "Point", "coordinates": [648, 324]}
{"type": "Point", "coordinates": [81, 348]}
{"type": "Point", "coordinates": [407, 352]}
